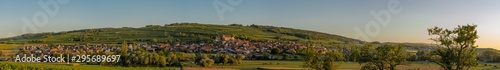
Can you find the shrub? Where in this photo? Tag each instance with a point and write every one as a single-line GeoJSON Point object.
{"type": "Point", "coordinates": [369, 66]}
{"type": "Point", "coordinates": [207, 62]}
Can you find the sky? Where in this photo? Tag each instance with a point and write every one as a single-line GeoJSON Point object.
{"type": "Point", "coordinates": [340, 17]}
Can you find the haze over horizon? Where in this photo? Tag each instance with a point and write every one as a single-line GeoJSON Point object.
{"type": "Point", "coordinates": [338, 17]}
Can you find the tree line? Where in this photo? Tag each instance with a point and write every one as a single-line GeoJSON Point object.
{"type": "Point", "coordinates": [456, 50]}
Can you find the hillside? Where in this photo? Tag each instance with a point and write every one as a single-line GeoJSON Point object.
{"type": "Point", "coordinates": [182, 32]}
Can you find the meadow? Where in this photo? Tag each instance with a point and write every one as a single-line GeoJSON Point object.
{"type": "Point", "coordinates": [7, 46]}
{"type": "Point", "coordinates": [63, 66]}
{"type": "Point", "coordinates": [246, 65]}
{"type": "Point", "coordinates": [297, 65]}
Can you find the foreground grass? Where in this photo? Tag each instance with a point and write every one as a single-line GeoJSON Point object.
{"type": "Point", "coordinates": [294, 65]}
{"type": "Point", "coordinates": [8, 46]}
{"type": "Point", "coordinates": [246, 65]}
{"type": "Point", "coordinates": [254, 64]}
{"type": "Point", "coordinates": [62, 66]}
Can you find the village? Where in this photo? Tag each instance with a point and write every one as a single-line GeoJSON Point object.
{"type": "Point", "coordinates": [225, 44]}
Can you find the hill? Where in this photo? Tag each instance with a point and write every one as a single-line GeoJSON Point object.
{"type": "Point", "coordinates": [182, 32]}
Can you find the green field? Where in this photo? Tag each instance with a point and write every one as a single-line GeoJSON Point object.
{"type": "Point", "coordinates": [64, 66]}
{"type": "Point", "coordinates": [251, 64]}
{"type": "Point", "coordinates": [254, 65]}
{"type": "Point", "coordinates": [7, 46]}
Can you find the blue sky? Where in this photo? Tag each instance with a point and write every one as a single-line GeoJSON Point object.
{"type": "Point", "coordinates": [329, 16]}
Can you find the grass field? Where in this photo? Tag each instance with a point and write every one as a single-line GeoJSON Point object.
{"type": "Point", "coordinates": [7, 49]}
{"type": "Point", "coordinates": [253, 65]}
{"type": "Point", "coordinates": [87, 67]}
{"type": "Point", "coordinates": [7, 46]}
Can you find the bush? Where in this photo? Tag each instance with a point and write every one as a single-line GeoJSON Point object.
{"type": "Point", "coordinates": [204, 61]}
{"type": "Point", "coordinates": [207, 62]}
{"type": "Point", "coordinates": [369, 66]}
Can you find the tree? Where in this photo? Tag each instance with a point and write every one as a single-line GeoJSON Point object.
{"type": "Point", "coordinates": [163, 61]}
{"type": "Point", "coordinates": [315, 60]}
{"type": "Point", "coordinates": [232, 61]}
{"type": "Point", "coordinates": [369, 66]}
{"type": "Point", "coordinates": [218, 59]}
{"type": "Point", "coordinates": [239, 58]}
{"type": "Point", "coordinates": [331, 57]}
{"type": "Point", "coordinates": [285, 57]}
{"type": "Point", "coordinates": [172, 59]}
{"type": "Point", "coordinates": [383, 57]}
{"type": "Point", "coordinates": [276, 51]}
{"type": "Point", "coordinates": [412, 57]}
{"type": "Point", "coordinates": [457, 47]}
{"type": "Point", "coordinates": [155, 59]}
{"type": "Point", "coordinates": [226, 59]}
{"type": "Point", "coordinates": [154, 40]}
{"type": "Point", "coordinates": [204, 61]}
{"type": "Point", "coordinates": [392, 55]}
{"type": "Point", "coordinates": [312, 59]}
{"type": "Point", "coordinates": [490, 55]}
{"type": "Point", "coordinates": [124, 47]}
{"type": "Point", "coordinates": [423, 55]}
{"type": "Point", "coordinates": [355, 54]}
{"type": "Point", "coordinates": [207, 62]}
{"type": "Point", "coordinates": [146, 61]}
{"type": "Point", "coordinates": [234, 24]}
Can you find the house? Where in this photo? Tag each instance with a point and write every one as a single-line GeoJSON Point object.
{"type": "Point", "coordinates": [150, 49]}
{"type": "Point", "coordinates": [53, 50]}
{"type": "Point", "coordinates": [163, 45]}
{"type": "Point", "coordinates": [130, 48]}
{"type": "Point", "coordinates": [227, 37]}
